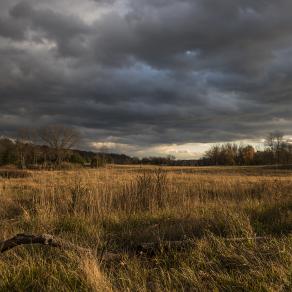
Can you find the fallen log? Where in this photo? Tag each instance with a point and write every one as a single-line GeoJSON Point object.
{"type": "Point", "coordinates": [43, 239]}
{"type": "Point", "coordinates": [53, 241]}
{"type": "Point", "coordinates": [152, 248]}
{"type": "Point", "coordinates": [149, 248]}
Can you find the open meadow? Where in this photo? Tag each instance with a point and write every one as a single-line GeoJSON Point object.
{"type": "Point", "coordinates": [149, 229]}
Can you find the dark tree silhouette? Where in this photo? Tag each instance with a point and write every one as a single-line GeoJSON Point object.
{"type": "Point", "coordinates": [60, 139]}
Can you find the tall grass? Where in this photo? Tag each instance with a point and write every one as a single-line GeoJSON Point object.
{"type": "Point", "coordinates": [115, 209]}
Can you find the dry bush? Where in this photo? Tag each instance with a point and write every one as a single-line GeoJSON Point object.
{"type": "Point", "coordinates": [148, 191]}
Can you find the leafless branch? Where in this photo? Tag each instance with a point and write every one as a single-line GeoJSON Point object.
{"type": "Point", "coordinates": [43, 239]}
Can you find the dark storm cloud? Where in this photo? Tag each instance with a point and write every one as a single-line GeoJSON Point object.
{"type": "Point", "coordinates": [105, 2]}
{"type": "Point", "coordinates": [148, 72]}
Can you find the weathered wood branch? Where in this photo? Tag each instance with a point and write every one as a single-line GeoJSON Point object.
{"type": "Point", "coordinates": [43, 239]}
{"type": "Point", "coordinates": [149, 249]}
{"type": "Point", "coordinates": [152, 248]}
{"type": "Point", "coordinates": [53, 241]}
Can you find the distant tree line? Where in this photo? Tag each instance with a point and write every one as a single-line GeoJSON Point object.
{"type": "Point", "coordinates": [168, 160]}
{"type": "Point", "coordinates": [277, 150]}
{"type": "Point", "coordinates": [53, 147]}
{"type": "Point", "coordinates": [45, 146]}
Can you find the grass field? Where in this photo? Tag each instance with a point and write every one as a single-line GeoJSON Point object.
{"type": "Point", "coordinates": [116, 209]}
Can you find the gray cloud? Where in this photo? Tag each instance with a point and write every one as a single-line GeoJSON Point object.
{"type": "Point", "coordinates": [148, 72]}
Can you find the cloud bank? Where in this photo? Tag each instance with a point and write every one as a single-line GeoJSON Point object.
{"type": "Point", "coordinates": [147, 74]}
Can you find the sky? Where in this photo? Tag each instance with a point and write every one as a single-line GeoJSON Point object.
{"type": "Point", "coordinates": [148, 77]}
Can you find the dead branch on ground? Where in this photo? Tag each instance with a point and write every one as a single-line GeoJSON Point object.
{"type": "Point", "coordinates": [149, 248]}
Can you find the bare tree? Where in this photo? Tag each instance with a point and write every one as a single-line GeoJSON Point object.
{"type": "Point", "coordinates": [60, 139]}
{"type": "Point", "coordinates": [24, 140]}
{"type": "Point", "coordinates": [213, 154]}
{"type": "Point", "coordinates": [275, 141]}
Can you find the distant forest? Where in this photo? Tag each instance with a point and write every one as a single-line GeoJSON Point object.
{"type": "Point", "coordinates": [277, 150]}
{"type": "Point", "coordinates": [52, 147]}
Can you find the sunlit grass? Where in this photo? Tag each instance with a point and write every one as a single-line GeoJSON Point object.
{"type": "Point", "coordinates": [116, 208]}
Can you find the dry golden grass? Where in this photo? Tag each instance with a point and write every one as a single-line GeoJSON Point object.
{"type": "Point", "coordinates": [119, 207]}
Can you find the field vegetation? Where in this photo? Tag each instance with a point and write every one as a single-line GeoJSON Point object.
{"type": "Point", "coordinates": [239, 220]}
